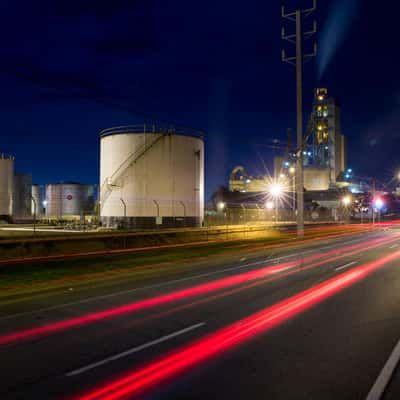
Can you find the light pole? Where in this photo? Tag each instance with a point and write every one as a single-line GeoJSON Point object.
{"type": "Point", "coordinates": [34, 214]}
{"type": "Point", "coordinates": [346, 202]}
{"type": "Point", "coordinates": [184, 213]}
{"type": "Point", "coordinates": [378, 203]}
{"type": "Point", "coordinates": [292, 171]}
{"type": "Point", "coordinates": [124, 205]}
{"type": "Point", "coordinates": [275, 192]}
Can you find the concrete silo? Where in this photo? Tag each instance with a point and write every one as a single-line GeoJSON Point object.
{"type": "Point", "coordinates": [151, 176]}
{"type": "Point", "coordinates": [6, 186]}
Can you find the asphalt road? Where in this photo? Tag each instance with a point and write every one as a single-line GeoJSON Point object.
{"type": "Point", "coordinates": [318, 321]}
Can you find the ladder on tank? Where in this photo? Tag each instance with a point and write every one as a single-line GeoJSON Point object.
{"type": "Point", "coordinates": [112, 181]}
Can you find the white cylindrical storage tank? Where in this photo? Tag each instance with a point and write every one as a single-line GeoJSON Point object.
{"type": "Point", "coordinates": [37, 200]}
{"type": "Point", "coordinates": [6, 186]}
{"type": "Point", "coordinates": [65, 199]}
{"type": "Point", "coordinates": [151, 176]}
{"type": "Point", "coordinates": [22, 197]}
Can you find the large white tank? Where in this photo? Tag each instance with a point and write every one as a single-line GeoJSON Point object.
{"type": "Point", "coordinates": [65, 199]}
{"type": "Point", "coordinates": [22, 197]}
{"type": "Point", "coordinates": [37, 200]}
{"type": "Point", "coordinates": [151, 176]}
{"type": "Point", "coordinates": [6, 185]}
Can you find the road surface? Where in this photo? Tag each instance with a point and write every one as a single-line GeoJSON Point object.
{"type": "Point", "coordinates": [318, 321]}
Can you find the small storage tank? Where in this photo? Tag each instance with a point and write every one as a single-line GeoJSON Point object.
{"type": "Point", "coordinates": [65, 199]}
{"type": "Point", "coordinates": [37, 200]}
{"type": "Point", "coordinates": [151, 176]}
{"type": "Point", "coordinates": [22, 197]}
{"type": "Point", "coordinates": [6, 186]}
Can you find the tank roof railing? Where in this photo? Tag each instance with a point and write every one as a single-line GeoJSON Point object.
{"type": "Point", "coordinates": [152, 128]}
{"type": "Point", "coordinates": [6, 157]}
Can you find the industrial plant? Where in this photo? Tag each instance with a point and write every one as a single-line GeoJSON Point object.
{"type": "Point", "coordinates": [152, 176]}
{"type": "Point", "coordinates": [325, 174]}
{"type": "Point", "coordinates": [24, 202]}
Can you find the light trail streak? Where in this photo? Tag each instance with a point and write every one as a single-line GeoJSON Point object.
{"type": "Point", "coordinates": [183, 294]}
{"type": "Point", "coordinates": [166, 367]}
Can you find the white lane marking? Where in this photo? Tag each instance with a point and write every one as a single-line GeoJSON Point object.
{"type": "Point", "coordinates": [394, 246]}
{"type": "Point", "coordinates": [383, 379]}
{"type": "Point", "coordinates": [172, 282]}
{"type": "Point", "coordinates": [346, 265]}
{"type": "Point", "coordinates": [134, 350]}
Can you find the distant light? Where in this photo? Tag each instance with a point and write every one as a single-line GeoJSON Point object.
{"type": "Point", "coordinates": [269, 205]}
{"type": "Point", "coordinates": [292, 170]}
{"type": "Point", "coordinates": [320, 98]}
{"type": "Point", "coordinates": [282, 176]}
{"type": "Point", "coordinates": [379, 203]}
{"type": "Point", "coordinates": [287, 163]}
{"type": "Point", "coordinates": [326, 148]}
{"type": "Point", "coordinates": [275, 190]}
{"type": "Point", "coordinates": [347, 176]}
{"type": "Point", "coordinates": [350, 170]}
{"type": "Point", "coordinates": [346, 200]}
{"type": "Point", "coordinates": [221, 205]}
{"type": "Point", "coordinates": [353, 190]}
{"type": "Point", "coordinates": [304, 153]}
{"type": "Point", "coordinates": [248, 180]}
{"type": "Point", "coordinates": [309, 153]}
{"type": "Point", "coordinates": [44, 202]}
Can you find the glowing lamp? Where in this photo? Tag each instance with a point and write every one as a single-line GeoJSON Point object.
{"type": "Point", "coordinates": [275, 190]}
{"type": "Point", "coordinates": [269, 205]}
{"type": "Point", "coordinates": [346, 200]}
{"type": "Point", "coordinates": [378, 203]}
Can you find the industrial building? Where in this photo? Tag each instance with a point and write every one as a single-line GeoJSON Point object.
{"type": "Point", "coordinates": [241, 181]}
{"type": "Point", "coordinates": [69, 200]}
{"type": "Point", "coordinates": [328, 145]}
{"type": "Point", "coordinates": [151, 176]}
{"type": "Point", "coordinates": [324, 151]}
{"type": "Point", "coordinates": [6, 187]}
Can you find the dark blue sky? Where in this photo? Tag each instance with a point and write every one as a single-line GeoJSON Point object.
{"type": "Point", "coordinates": [70, 69]}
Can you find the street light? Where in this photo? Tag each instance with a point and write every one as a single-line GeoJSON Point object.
{"type": "Point", "coordinates": [276, 191]}
{"type": "Point", "coordinates": [346, 200]}
{"type": "Point", "coordinates": [292, 171]}
{"type": "Point", "coordinates": [378, 203]}
{"type": "Point", "coordinates": [269, 205]}
{"type": "Point", "coordinates": [221, 206]}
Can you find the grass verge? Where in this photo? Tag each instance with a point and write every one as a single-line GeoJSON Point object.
{"type": "Point", "coordinates": [32, 277]}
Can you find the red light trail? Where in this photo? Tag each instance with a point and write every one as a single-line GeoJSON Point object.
{"type": "Point", "coordinates": [186, 293]}
{"type": "Point", "coordinates": [227, 338]}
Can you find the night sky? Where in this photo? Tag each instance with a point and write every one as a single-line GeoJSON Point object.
{"type": "Point", "coordinates": [70, 69]}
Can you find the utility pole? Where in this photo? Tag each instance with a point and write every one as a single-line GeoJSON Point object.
{"type": "Point", "coordinates": [298, 60]}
